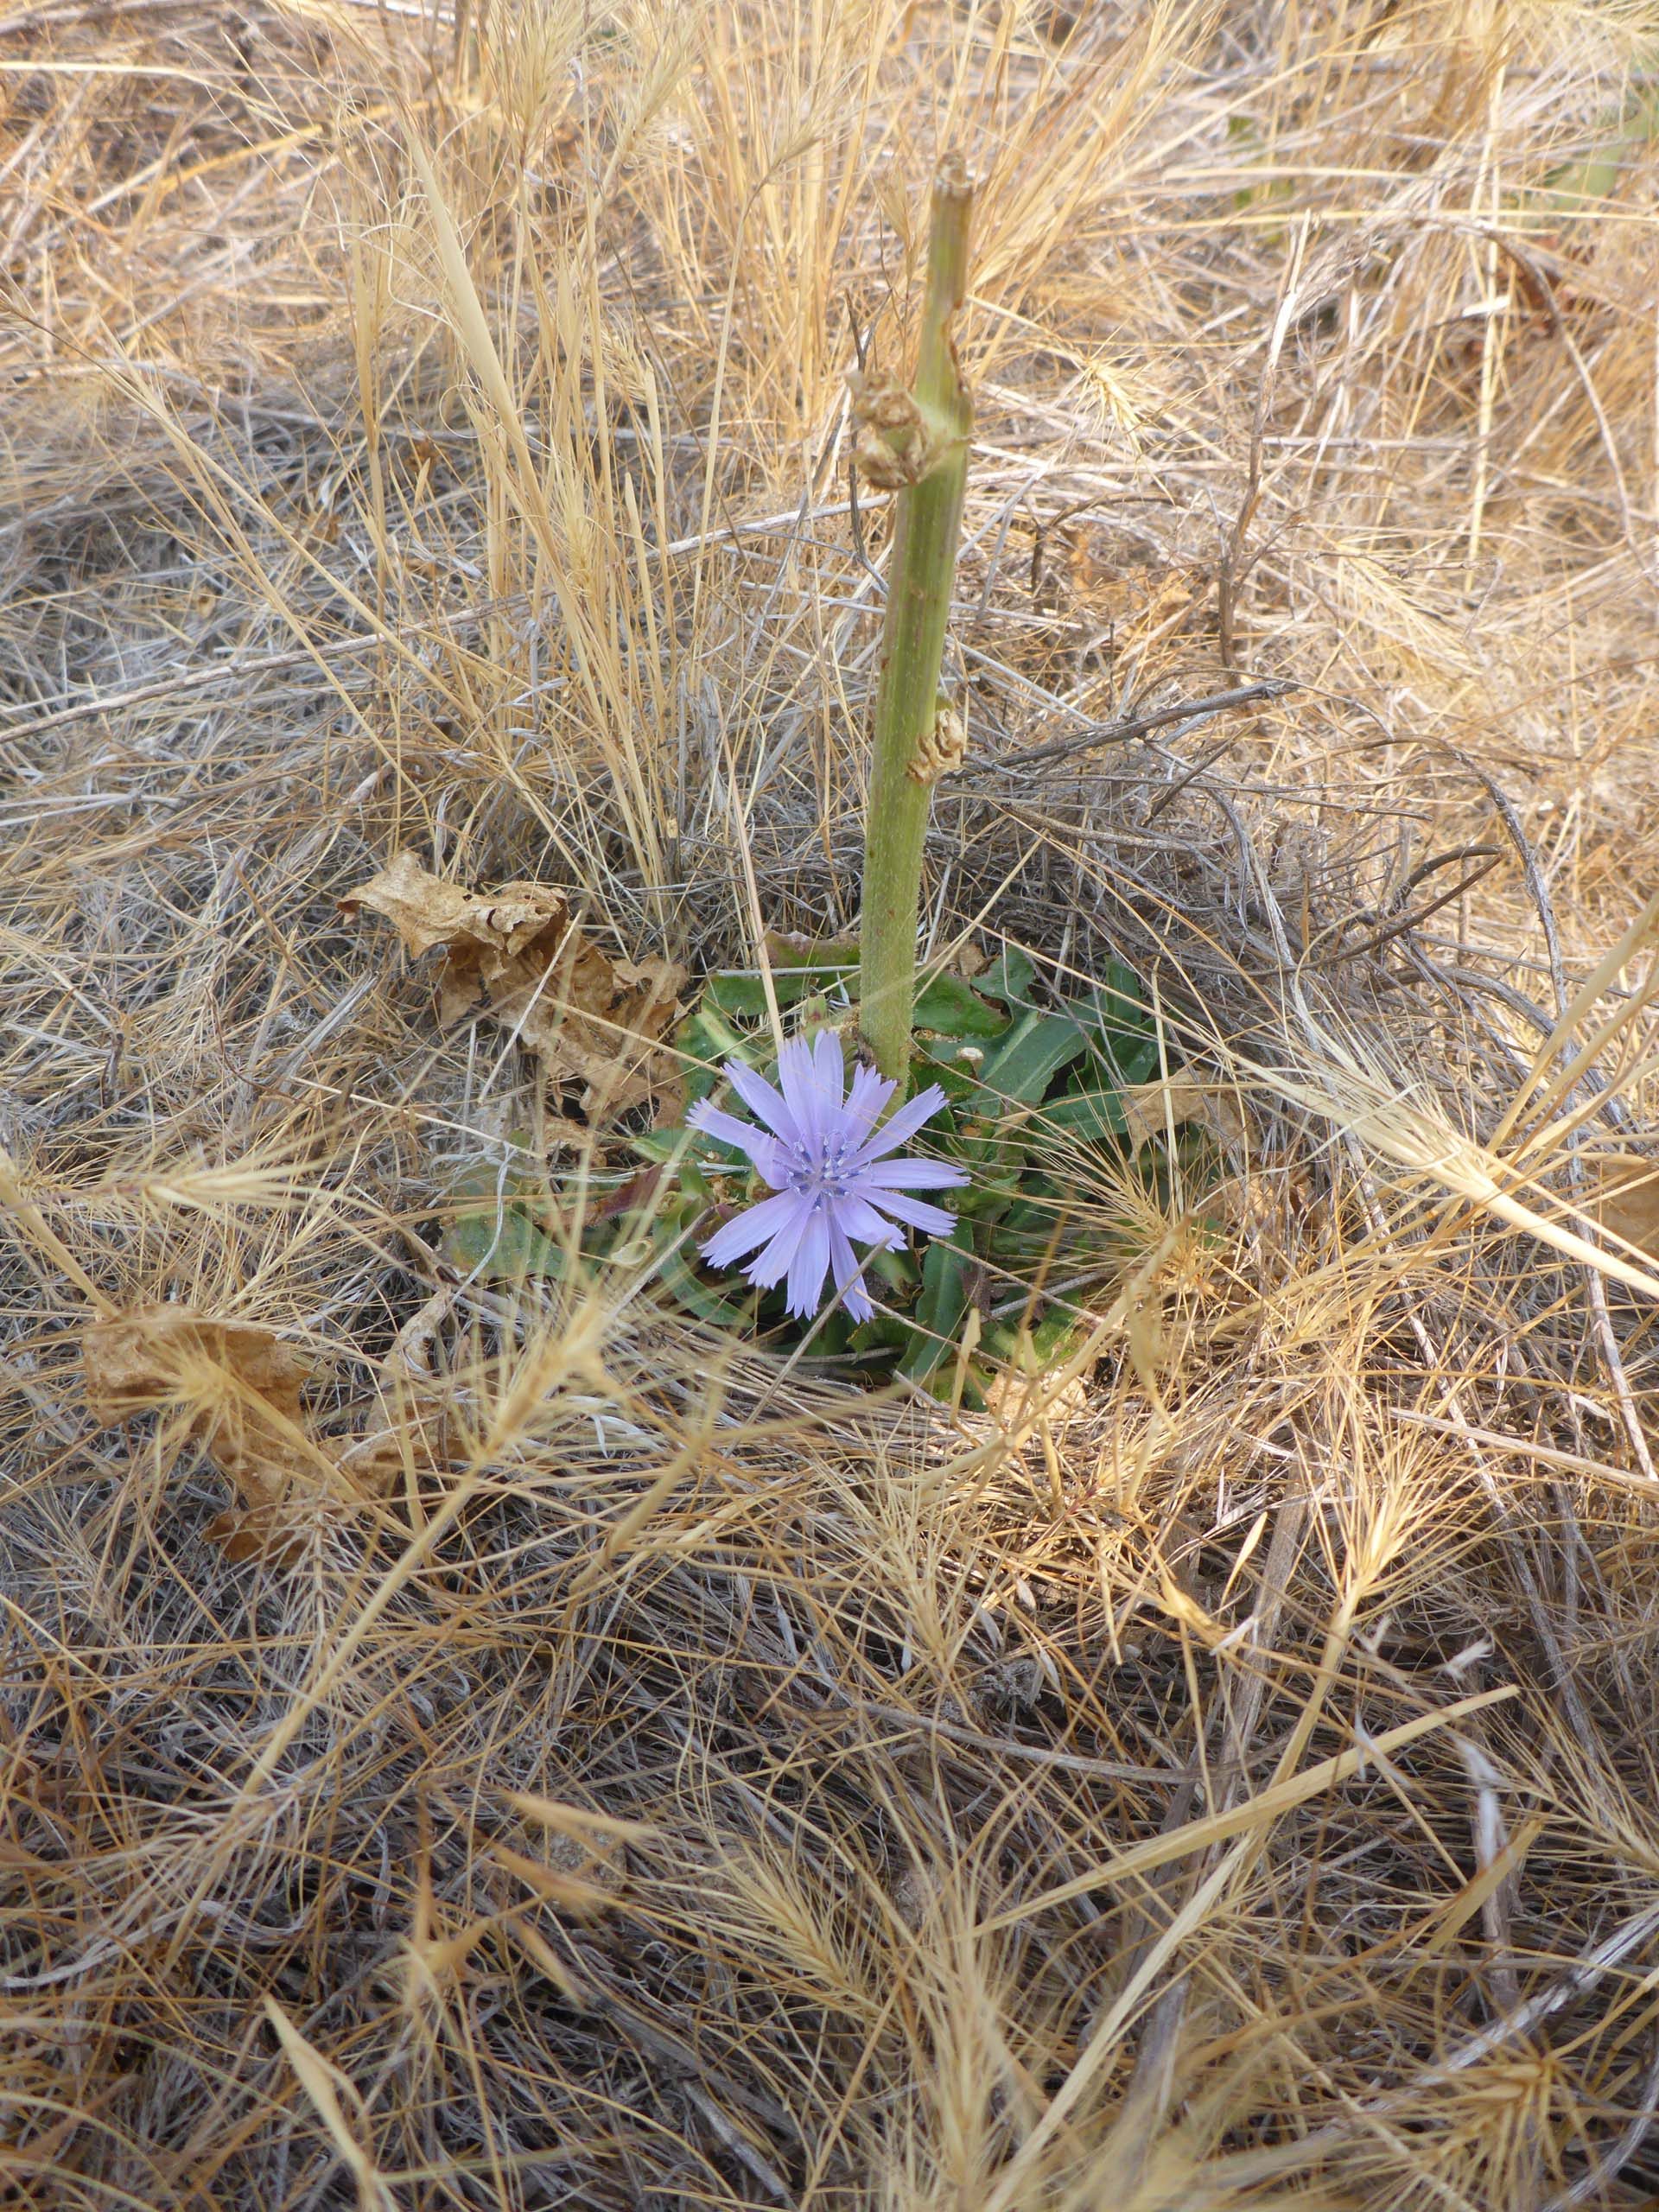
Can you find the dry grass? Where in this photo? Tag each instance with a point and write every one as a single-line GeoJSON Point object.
{"type": "Point", "coordinates": [639, 1777]}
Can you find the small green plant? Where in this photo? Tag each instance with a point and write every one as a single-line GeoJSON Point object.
{"type": "Point", "coordinates": [1014, 1079]}
{"type": "Point", "coordinates": [1023, 1087]}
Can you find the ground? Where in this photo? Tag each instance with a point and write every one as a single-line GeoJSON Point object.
{"type": "Point", "coordinates": [491, 1745]}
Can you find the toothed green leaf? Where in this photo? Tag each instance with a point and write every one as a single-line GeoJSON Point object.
{"type": "Point", "coordinates": [950, 1007]}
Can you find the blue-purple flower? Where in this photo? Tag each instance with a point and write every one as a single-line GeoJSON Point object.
{"type": "Point", "coordinates": [830, 1170]}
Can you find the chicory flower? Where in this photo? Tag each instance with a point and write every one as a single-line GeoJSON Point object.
{"type": "Point", "coordinates": [830, 1170]}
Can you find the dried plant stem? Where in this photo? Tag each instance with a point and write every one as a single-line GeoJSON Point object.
{"type": "Point", "coordinates": [919, 604]}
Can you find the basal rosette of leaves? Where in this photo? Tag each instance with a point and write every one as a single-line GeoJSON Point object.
{"type": "Point", "coordinates": [1035, 1084]}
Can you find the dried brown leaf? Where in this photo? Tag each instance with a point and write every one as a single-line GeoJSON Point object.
{"type": "Point", "coordinates": [1152, 1109]}
{"type": "Point", "coordinates": [161, 1354]}
{"type": "Point", "coordinates": [516, 955]}
{"type": "Point", "coordinates": [236, 1389]}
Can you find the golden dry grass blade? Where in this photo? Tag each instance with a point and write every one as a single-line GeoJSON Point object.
{"type": "Point", "coordinates": [1259, 1813]}
{"type": "Point", "coordinates": [322, 2083]}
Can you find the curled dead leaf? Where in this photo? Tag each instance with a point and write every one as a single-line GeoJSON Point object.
{"type": "Point", "coordinates": [234, 1387]}
{"type": "Point", "coordinates": [1152, 1109]}
{"type": "Point", "coordinates": [169, 1355]}
{"type": "Point", "coordinates": [421, 1447]}
{"type": "Point", "coordinates": [516, 955]}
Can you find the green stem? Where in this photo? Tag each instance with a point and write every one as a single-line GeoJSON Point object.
{"type": "Point", "coordinates": [921, 577]}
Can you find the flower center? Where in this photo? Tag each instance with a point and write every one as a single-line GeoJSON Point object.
{"type": "Point", "coordinates": [823, 1171]}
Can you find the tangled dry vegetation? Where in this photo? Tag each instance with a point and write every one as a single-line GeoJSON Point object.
{"type": "Point", "coordinates": [465, 1747]}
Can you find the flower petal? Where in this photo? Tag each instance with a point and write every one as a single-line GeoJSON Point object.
{"type": "Point", "coordinates": [849, 1276]}
{"type": "Point", "coordinates": [806, 1269]}
{"type": "Point", "coordinates": [752, 1228]}
{"type": "Point", "coordinates": [854, 1216]}
{"type": "Point", "coordinates": [804, 1094]}
{"type": "Point", "coordinates": [869, 1093]}
{"type": "Point", "coordinates": [934, 1219]}
{"type": "Point", "coordinates": [910, 1175]}
{"type": "Point", "coordinates": [830, 1071]}
{"type": "Point", "coordinates": [742, 1136]}
{"type": "Point", "coordinates": [759, 1096]}
{"type": "Point", "coordinates": [770, 1267]}
{"type": "Point", "coordinates": [904, 1123]}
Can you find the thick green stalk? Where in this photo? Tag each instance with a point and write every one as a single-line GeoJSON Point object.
{"type": "Point", "coordinates": [906, 751]}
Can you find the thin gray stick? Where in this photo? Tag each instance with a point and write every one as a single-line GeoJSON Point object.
{"type": "Point", "coordinates": [1189, 710]}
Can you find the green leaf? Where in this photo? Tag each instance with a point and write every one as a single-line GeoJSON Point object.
{"type": "Point", "coordinates": [725, 1042]}
{"type": "Point", "coordinates": [1028, 1058]}
{"type": "Point", "coordinates": [704, 1039]}
{"type": "Point", "coordinates": [1037, 1351]}
{"type": "Point", "coordinates": [1114, 1003]}
{"type": "Point", "coordinates": [958, 1079]}
{"type": "Point", "coordinates": [948, 1007]}
{"type": "Point", "coordinates": [658, 1146]}
{"type": "Point", "coordinates": [743, 996]}
{"type": "Point", "coordinates": [1577, 184]}
{"type": "Point", "coordinates": [493, 1237]}
{"type": "Point", "coordinates": [677, 1276]}
{"type": "Point", "coordinates": [1026, 1232]}
{"type": "Point", "coordinates": [996, 1183]}
{"type": "Point", "coordinates": [897, 1270]}
{"type": "Point", "coordinates": [1009, 978]}
{"type": "Point", "coordinates": [1057, 1338]}
{"type": "Point", "coordinates": [1120, 1033]}
{"type": "Point", "coordinates": [741, 992]}
{"type": "Point", "coordinates": [1093, 1116]}
{"type": "Point", "coordinates": [695, 1184]}
{"type": "Point", "coordinates": [882, 1332]}
{"type": "Point", "coordinates": [501, 1247]}
{"type": "Point", "coordinates": [1135, 1063]}
{"type": "Point", "coordinates": [786, 952]}
{"type": "Point", "coordinates": [834, 1337]}
{"type": "Point", "coordinates": [943, 1301]}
